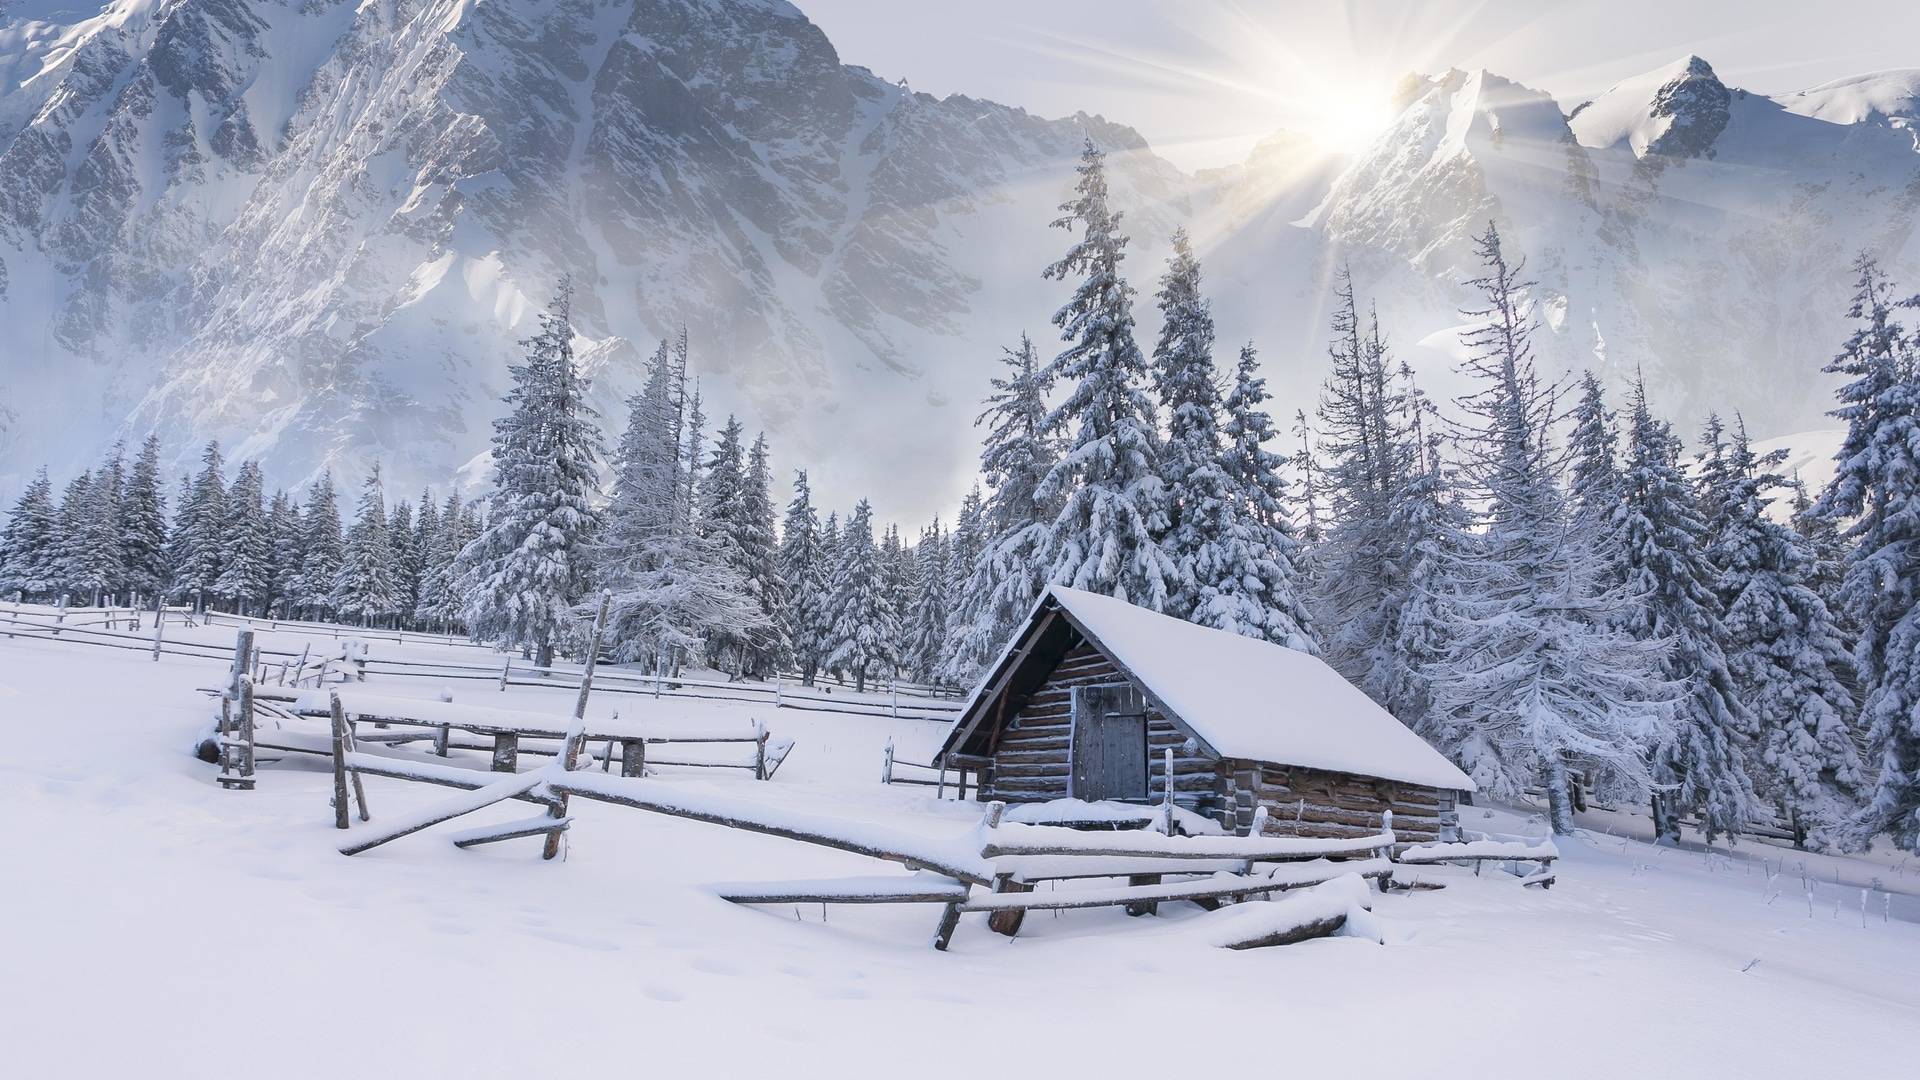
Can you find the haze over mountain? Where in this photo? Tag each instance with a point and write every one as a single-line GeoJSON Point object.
{"type": "Point", "coordinates": [315, 229]}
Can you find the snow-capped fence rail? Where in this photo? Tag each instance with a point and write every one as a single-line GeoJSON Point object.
{"type": "Point", "coordinates": [895, 771]}
{"type": "Point", "coordinates": [509, 733]}
{"type": "Point", "coordinates": [1517, 853]}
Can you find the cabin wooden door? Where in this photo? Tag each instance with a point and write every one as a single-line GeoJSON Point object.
{"type": "Point", "coordinates": [1109, 743]}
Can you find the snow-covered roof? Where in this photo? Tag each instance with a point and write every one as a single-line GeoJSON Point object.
{"type": "Point", "coordinates": [1252, 699]}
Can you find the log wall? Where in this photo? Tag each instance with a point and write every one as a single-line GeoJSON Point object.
{"type": "Point", "coordinates": [1030, 761]}
{"type": "Point", "coordinates": [1312, 802]}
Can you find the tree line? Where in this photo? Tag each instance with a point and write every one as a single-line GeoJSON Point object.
{"type": "Point", "coordinates": [1539, 583]}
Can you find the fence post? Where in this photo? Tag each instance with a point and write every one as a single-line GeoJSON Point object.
{"type": "Point", "coordinates": [895, 687]}
{"type": "Point", "coordinates": [886, 763]}
{"type": "Point", "coordinates": [576, 732]}
{"type": "Point", "coordinates": [776, 692]}
{"type": "Point", "coordinates": [759, 750]}
{"type": "Point", "coordinates": [1166, 803]}
{"type": "Point", "coordinates": [506, 669]}
{"type": "Point", "coordinates": [159, 616]}
{"type": "Point", "coordinates": [242, 660]}
{"type": "Point", "coordinates": [339, 719]}
{"type": "Point", "coordinates": [60, 616]}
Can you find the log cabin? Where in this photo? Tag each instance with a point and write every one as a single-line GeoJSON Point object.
{"type": "Point", "coordinates": [1092, 691]}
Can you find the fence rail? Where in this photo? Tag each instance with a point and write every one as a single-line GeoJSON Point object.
{"type": "Point", "coordinates": [285, 665]}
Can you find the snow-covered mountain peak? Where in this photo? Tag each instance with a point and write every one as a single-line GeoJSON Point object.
{"type": "Point", "coordinates": [1893, 96]}
{"type": "Point", "coordinates": [1676, 111]}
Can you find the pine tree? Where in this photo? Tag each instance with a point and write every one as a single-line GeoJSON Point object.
{"type": "Point", "coordinates": [1700, 766]}
{"type": "Point", "coordinates": [830, 572]}
{"type": "Point", "coordinates": [672, 587]}
{"type": "Point", "coordinates": [366, 587]}
{"type": "Point", "coordinates": [1003, 540]}
{"type": "Point", "coordinates": [929, 611]}
{"type": "Point", "coordinates": [1874, 498]}
{"type": "Point", "coordinates": [900, 577]}
{"type": "Point", "coordinates": [426, 536]}
{"type": "Point", "coordinates": [99, 559]}
{"type": "Point", "coordinates": [1201, 507]}
{"type": "Point", "coordinates": [439, 596]}
{"type": "Point", "coordinates": [1785, 651]}
{"type": "Point", "coordinates": [143, 525]}
{"type": "Point", "coordinates": [1105, 537]}
{"type": "Point", "coordinates": [1534, 678]}
{"type": "Point", "coordinates": [246, 554]}
{"type": "Point", "coordinates": [29, 548]}
{"type": "Point", "coordinates": [760, 549]}
{"type": "Point", "coordinates": [1264, 595]}
{"type": "Point", "coordinates": [197, 541]}
{"type": "Point", "coordinates": [804, 570]}
{"type": "Point", "coordinates": [406, 557]}
{"type": "Point", "coordinates": [289, 545]}
{"type": "Point", "coordinates": [865, 627]}
{"type": "Point", "coordinates": [1595, 445]}
{"type": "Point", "coordinates": [70, 532]}
{"type": "Point", "coordinates": [323, 551]}
{"type": "Point", "coordinates": [1361, 588]}
{"type": "Point", "coordinates": [527, 569]}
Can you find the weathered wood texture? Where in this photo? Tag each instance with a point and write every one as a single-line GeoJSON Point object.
{"type": "Point", "coordinates": [1031, 758]}
{"type": "Point", "coordinates": [1312, 802]}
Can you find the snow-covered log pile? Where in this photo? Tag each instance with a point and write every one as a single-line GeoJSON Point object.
{"type": "Point", "coordinates": [1342, 904]}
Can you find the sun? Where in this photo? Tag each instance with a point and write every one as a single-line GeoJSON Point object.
{"type": "Point", "coordinates": [1345, 119]}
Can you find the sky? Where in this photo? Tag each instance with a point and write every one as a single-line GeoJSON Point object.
{"type": "Point", "coordinates": [1205, 79]}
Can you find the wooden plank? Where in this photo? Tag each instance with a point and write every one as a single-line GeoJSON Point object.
{"type": "Point", "coordinates": [510, 830]}
{"type": "Point", "coordinates": [477, 799]}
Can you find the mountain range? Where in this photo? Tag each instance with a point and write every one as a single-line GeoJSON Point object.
{"type": "Point", "coordinates": [315, 229]}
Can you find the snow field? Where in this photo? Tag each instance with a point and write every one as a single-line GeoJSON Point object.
{"type": "Point", "coordinates": [157, 925]}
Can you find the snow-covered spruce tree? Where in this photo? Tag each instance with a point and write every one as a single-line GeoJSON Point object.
{"type": "Point", "coordinates": [70, 532]}
{"type": "Point", "coordinates": [695, 435]}
{"type": "Point", "coordinates": [1202, 510]}
{"type": "Point", "coordinates": [1699, 766]}
{"type": "Point", "coordinates": [1786, 653]}
{"type": "Point", "coordinates": [525, 571]}
{"type": "Point", "coordinates": [928, 620]}
{"type": "Point", "coordinates": [900, 573]}
{"type": "Point", "coordinates": [1875, 498]}
{"type": "Point", "coordinates": [1534, 678]}
{"type": "Point", "coordinates": [1595, 486]}
{"type": "Point", "coordinates": [246, 555]}
{"type": "Point", "coordinates": [143, 523]}
{"type": "Point", "coordinates": [672, 586]}
{"type": "Point", "coordinates": [803, 570]}
{"type": "Point", "coordinates": [722, 522]}
{"type": "Point", "coordinates": [1359, 585]}
{"type": "Point", "coordinates": [29, 548]}
{"type": "Point", "coordinates": [1307, 463]}
{"type": "Point", "coordinates": [1267, 598]}
{"type": "Point", "coordinates": [366, 586]}
{"type": "Point", "coordinates": [426, 536]}
{"type": "Point", "coordinates": [196, 543]}
{"type": "Point", "coordinates": [439, 604]}
{"type": "Point", "coordinates": [964, 544]}
{"type": "Point", "coordinates": [406, 559]}
{"type": "Point", "coordinates": [830, 534]}
{"type": "Point", "coordinates": [289, 543]}
{"type": "Point", "coordinates": [323, 551]}
{"type": "Point", "coordinates": [1008, 533]}
{"type": "Point", "coordinates": [99, 560]}
{"type": "Point", "coordinates": [760, 545]}
{"type": "Point", "coordinates": [1107, 484]}
{"type": "Point", "coordinates": [865, 628]}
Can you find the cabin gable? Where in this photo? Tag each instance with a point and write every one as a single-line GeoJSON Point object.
{"type": "Point", "coordinates": [1060, 717]}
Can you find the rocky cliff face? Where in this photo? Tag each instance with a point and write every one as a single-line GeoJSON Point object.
{"type": "Point", "coordinates": [315, 228]}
